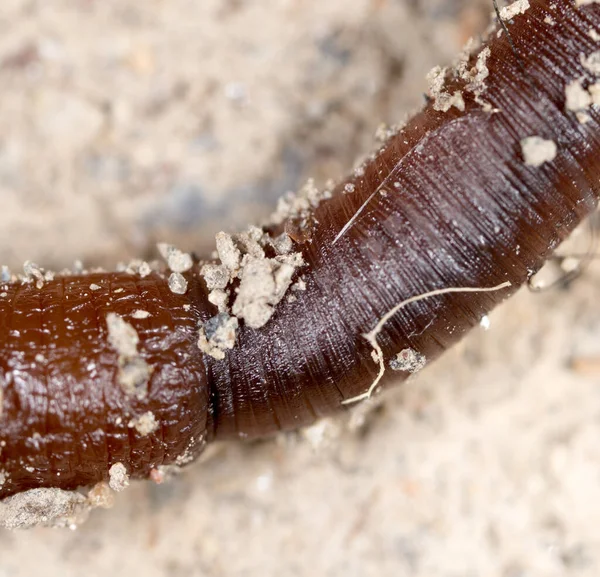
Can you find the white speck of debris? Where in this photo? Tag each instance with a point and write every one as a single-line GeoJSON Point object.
{"type": "Point", "coordinates": [39, 358]}
{"type": "Point", "coordinates": [144, 269]}
{"type": "Point", "coordinates": [586, 2]}
{"type": "Point", "coordinates": [140, 314]}
{"type": "Point", "coordinates": [516, 8]}
{"type": "Point", "coordinates": [591, 62]}
{"type": "Point", "coordinates": [594, 34]}
{"type": "Point", "coordinates": [136, 266]}
{"type": "Point", "coordinates": [177, 283]}
{"type": "Point", "coordinates": [484, 323]}
{"type": "Point", "coordinates": [3, 478]}
{"type": "Point", "coordinates": [299, 285]}
{"type": "Point", "coordinates": [134, 372]}
{"type": "Point", "coordinates": [537, 150]}
{"type": "Point", "coordinates": [578, 98]}
{"type": "Point", "coordinates": [5, 274]}
{"type": "Point", "coordinates": [292, 205]}
{"type": "Point", "coordinates": [177, 260]}
{"type": "Point", "coordinates": [476, 76]}
{"type": "Point", "coordinates": [408, 360]}
{"type": "Point", "coordinates": [218, 335]}
{"type": "Point", "coordinates": [216, 276]}
{"type": "Point", "coordinates": [118, 477]}
{"type": "Point", "coordinates": [443, 100]}
{"type": "Point", "coordinates": [95, 287]}
{"type": "Point", "coordinates": [121, 335]}
{"type": "Point", "coordinates": [144, 425]}
{"type": "Point", "coordinates": [481, 69]}
{"type": "Point", "coordinates": [219, 298]}
{"type": "Point", "coordinates": [549, 20]}
{"type": "Point", "coordinates": [349, 187]}
{"type": "Point", "coordinates": [228, 253]}
{"type": "Point", "coordinates": [33, 271]}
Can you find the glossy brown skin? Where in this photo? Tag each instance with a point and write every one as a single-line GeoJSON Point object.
{"type": "Point", "coordinates": [466, 212]}
{"type": "Point", "coordinates": [65, 420]}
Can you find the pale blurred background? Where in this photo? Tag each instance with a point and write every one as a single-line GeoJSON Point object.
{"type": "Point", "coordinates": [123, 123]}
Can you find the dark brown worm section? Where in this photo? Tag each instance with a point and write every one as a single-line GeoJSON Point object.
{"type": "Point", "coordinates": [452, 204]}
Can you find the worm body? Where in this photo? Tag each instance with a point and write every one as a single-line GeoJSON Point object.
{"type": "Point", "coordinates": [99, 370]}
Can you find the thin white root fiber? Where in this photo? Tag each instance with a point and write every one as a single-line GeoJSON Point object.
{"type": "Point", "coordinates": [371, 337]}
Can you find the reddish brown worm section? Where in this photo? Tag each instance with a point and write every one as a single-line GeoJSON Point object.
{"type": "Point", "coordinates": [449, 201]}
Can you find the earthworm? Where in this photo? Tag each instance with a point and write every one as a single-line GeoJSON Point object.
{"type": "Point", "coordinates": [111, 376]}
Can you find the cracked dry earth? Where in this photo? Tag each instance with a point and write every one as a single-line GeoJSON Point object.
{"type": "Point", "coordinates": [126, 123]}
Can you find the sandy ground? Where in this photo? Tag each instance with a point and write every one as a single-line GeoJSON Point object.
{"type": "Point", "coordinates": [125, 122]}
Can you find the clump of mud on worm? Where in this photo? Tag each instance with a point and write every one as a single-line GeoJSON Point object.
{"type": "Point", "coordinates": [253, 275]}
{"type": "Point", "coordinates": [53, 507]}
{"type": "Point", "coordinates": [134, 372]}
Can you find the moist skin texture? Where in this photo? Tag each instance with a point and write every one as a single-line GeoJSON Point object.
{"type": "Point", "coordinates": [449, 201]}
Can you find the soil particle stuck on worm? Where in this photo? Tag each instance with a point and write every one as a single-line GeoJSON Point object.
{"type": "Point", "coordinates": [591, 62]}
{"type": "Point", "coordinates": [293, 205]}
{"type": "Point", "coordinates": [140, 314]}
{"type": "Point", "coordinates": [228, 253]}
{"type": "Point", "coordinates": [33, 272]}
{"type": "Point", "coordinates": [264, 283]}
{"type": "Point", "coordinates": [408, 360]}
{"type": "Point", "coordinates": [177, 283]}
{"type": "Point", "coordinates": [118, 477]}
{"type": "Point", "coordinates": [537, 150]}
{"type": "Point", "coordinates": [577, 97]}
{"type": "Point", "coordinates": [514, 9]}
{"type": "Point", "coordinates": [443, 100]}
{"type": "Point", "coordinates": [144, 425]}
{"type": "Point", "coordinates": [177, 260]}
{"type": "Point", "coordinates": [261, 284]}
{"type": "Point", "coordinates": [218, 335]}
{"type": "Point", "coordinates": [134, 372]}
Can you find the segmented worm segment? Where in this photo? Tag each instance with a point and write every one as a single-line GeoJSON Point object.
{"type": "Point", "coordinates": [460, 197]}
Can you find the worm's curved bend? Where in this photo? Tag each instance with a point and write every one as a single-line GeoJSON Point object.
{"type": "Point", "coordinates": [462, 196]}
